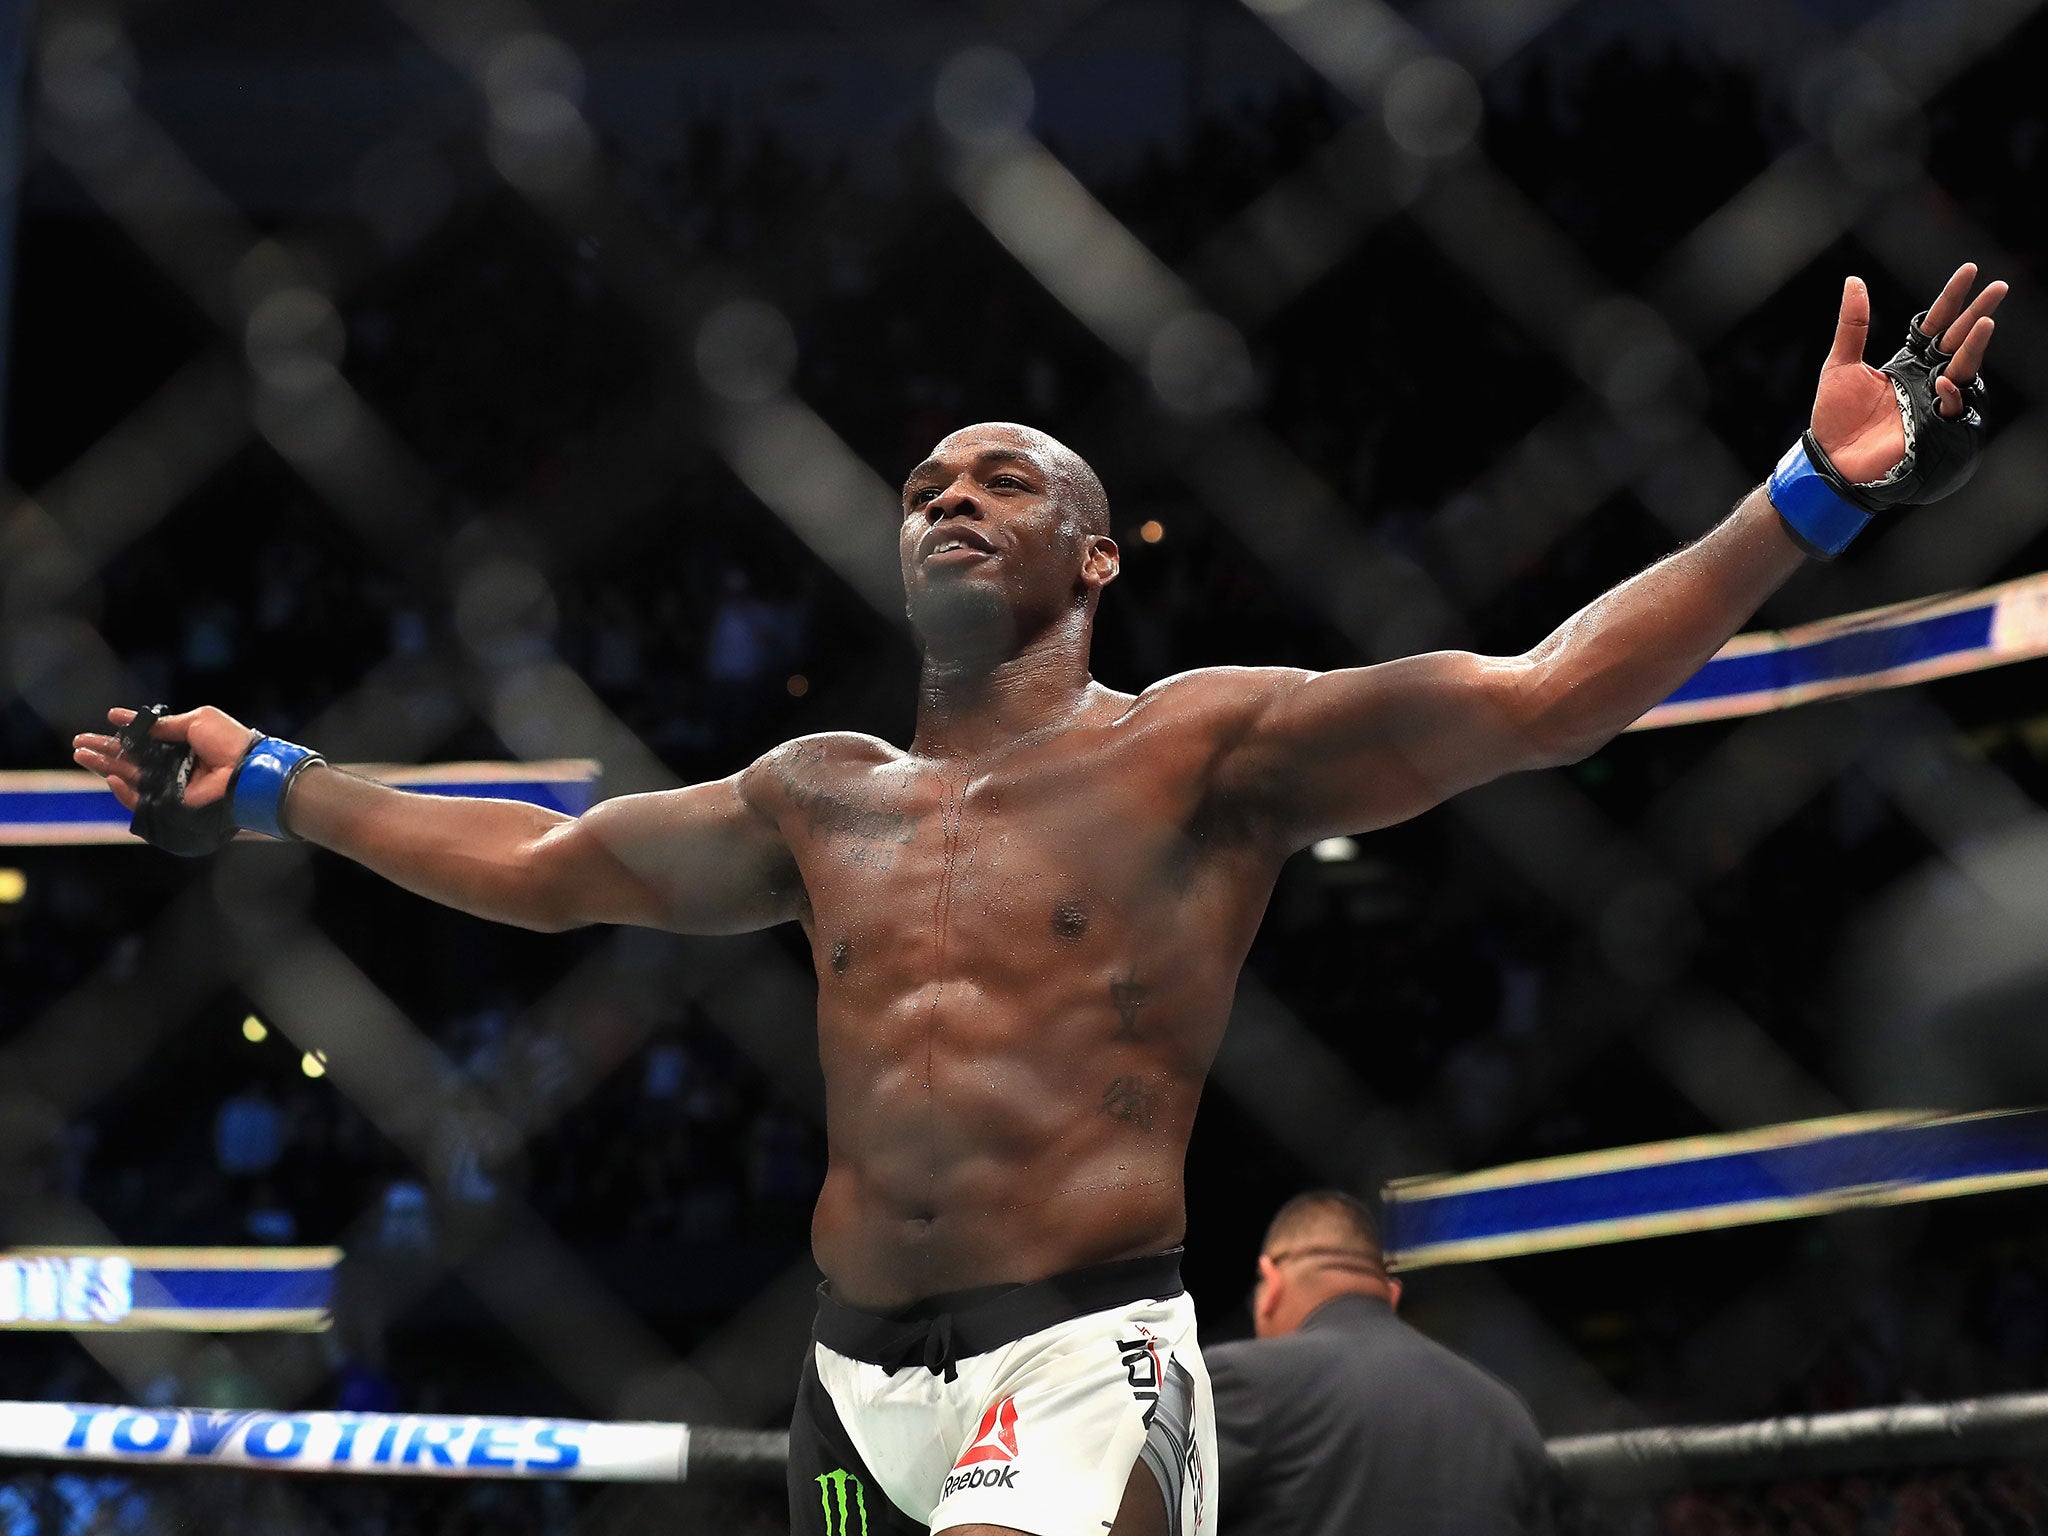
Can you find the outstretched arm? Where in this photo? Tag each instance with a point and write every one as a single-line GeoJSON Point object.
{"type": "Point", "coordinates": [1352, 750]}
{"type": "Point", "coordinates": [695, 860]}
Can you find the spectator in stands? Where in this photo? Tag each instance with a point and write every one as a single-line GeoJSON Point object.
{"type": "Point", "coordinates": [248, 1133]}
{"type": "Point", "coordinates": [1341, 1420]}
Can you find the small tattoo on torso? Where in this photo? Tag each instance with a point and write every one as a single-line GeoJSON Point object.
{"type": "Point", "coordinates": [875, 830]}
{"type": "Point", "coordinates": [1127, 996]}
{"type": "Point", "coordinates": [1127, 1098]}
{"type": "Point", "coordinates": [841, 951]}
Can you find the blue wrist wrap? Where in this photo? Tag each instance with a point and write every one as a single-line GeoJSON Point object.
{"type": "Point", "coordinates": [256, 798]}
{"type": "Point", "coordinates": [1819, 519]}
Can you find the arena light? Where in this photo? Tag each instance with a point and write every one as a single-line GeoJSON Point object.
{"type": "Point", "coordinates": [314, 1063]}
{"type": "Point", "coordinates": [254, 1030]}
{"type": "Point", "coordinates": [13, 886]}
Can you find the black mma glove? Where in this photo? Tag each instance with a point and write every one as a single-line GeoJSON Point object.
{"type": "Point", "coordinates": [1825, 511]}
{"type": "Point", "coordinates": [254, 800]}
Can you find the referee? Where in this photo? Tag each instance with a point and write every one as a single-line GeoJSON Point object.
{"type": "Point", "coordinates": [1340, 1418]}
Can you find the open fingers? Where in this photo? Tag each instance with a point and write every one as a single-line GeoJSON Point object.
{"type": "Point", "coordinates": [129, 798]}
{"type": "Point", "coordinates": [1948, 304]}
{"type": "Point", "coordinates": [1956, 335]}
{"type": "Point", "coordinates": [169, 728]}
{"type": "Point", "coordinates": [1970, 355]}
{"type": "Point", "coordinates": [109, 769]}
{"type": "Point", "coordinates": [106, 761]}
{"type": "Point", "coordinates": [1852, 326]}
{"type": "Point", "coordinates": [1968, 359]}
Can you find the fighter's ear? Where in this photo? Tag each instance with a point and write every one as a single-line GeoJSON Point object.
{"type": "Point", "coordinates": [1101, 562]}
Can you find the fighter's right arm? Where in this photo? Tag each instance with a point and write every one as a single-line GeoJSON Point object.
{"type": "Point", "coordinates": [696, 860]}
{"type": "Point", "coordinates": [693, 860]}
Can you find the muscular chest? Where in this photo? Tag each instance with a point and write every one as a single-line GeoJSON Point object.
{"type": "Point", "coordinates": [1048, 850]}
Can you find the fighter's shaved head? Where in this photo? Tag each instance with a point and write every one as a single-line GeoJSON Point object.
{"type": "Point", "coordinates": [1080, 492]}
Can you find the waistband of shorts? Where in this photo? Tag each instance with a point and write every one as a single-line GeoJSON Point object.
{"type": "Point", "coordinates": [938, 1332]}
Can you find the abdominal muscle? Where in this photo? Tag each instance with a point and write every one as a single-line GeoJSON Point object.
{"type": "Point", "coordinates": [980, 1150]}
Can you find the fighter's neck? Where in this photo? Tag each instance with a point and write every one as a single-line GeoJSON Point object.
{"type": "Point", "coordinates": [970, 706]}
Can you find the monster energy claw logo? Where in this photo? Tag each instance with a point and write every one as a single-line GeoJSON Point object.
{"type": "Point", "coordinates": [831, 1483]}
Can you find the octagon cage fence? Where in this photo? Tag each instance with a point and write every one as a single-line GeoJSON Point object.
{"type": "Point", "coordinates": [512, 394]}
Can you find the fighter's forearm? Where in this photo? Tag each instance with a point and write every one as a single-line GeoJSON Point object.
{"type": "Point", "coordinates": [1625, 652]}
{"type": "Point", "coordinates": [474, 855]}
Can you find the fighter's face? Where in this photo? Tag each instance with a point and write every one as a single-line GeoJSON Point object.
{"type": "Point", "coordinates": [988, 552]}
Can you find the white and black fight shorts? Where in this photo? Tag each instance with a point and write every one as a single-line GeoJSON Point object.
{"type": "Point", "coordinates": [1023, 1406]}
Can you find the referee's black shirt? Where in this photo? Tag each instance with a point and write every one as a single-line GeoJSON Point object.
{"type": "Point", "coordinates": [1357, 1425]}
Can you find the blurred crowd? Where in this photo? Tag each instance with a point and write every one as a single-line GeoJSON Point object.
{"type": "Point", "coordinates": [521, 382]}
{"type": "Point", "coordinates": [685, 1145]}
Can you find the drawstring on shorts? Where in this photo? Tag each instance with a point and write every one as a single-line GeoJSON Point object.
{"type": "Point", "coordinates": [931, 1347]}
{"type": "Point", "coordinates": [940, 1331]}
{"type": "Point", "coordinates": [938, 1348]}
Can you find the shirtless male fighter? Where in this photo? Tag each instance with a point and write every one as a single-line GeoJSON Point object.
{"type": "Point", "coordinates": [1028, 925]}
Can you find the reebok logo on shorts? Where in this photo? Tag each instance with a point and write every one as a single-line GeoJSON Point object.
{"type": "Point", "coordinates": [980, 1477]}
{"type": "Point", "coordinates": [995, 1440]}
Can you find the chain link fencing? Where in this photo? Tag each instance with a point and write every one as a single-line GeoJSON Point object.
{"type": "Point", "coordinates": [521, 439]}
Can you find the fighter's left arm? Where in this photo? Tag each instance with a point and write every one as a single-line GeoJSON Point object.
{"type": "Point", "coordinates": [1352, 750]}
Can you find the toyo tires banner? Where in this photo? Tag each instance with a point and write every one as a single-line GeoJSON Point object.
{"type": "Point", "coordinates": [415, 1445]}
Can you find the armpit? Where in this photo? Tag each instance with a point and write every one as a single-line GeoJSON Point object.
{"type": "Point", "coordinates": [1245, 804]}
{"type": "Point", "coordinates": [1249, 790]}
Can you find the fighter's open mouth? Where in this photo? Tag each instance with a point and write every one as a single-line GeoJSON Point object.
{"type": "Point", "coordinates": [941, 542]}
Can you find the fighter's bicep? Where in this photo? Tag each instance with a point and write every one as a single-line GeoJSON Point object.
{"type": "Point", "coordinates": [1364, 747]}
{"type": "Point", "coordinates": [694, 860]}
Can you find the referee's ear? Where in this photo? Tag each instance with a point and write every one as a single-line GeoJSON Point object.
{"type": "Point", "coordinates": [1393, 1294]}
{"type": "Point", "coordinates": [1267, 1297]}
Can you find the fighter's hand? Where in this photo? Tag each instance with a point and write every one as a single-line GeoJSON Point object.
{"type": "Point", "coordinates": [1855, 413]}
{"type": "Point", "coordinates": [217, 739]}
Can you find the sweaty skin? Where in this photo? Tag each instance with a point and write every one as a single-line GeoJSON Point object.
{"type": "Point", "coordinates": [1028, 925]}
{"type": "Point", "coordinates": [1025, 963]}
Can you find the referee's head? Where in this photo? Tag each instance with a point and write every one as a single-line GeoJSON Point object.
{"type": "Point", "coordinates": [1321, 1244]}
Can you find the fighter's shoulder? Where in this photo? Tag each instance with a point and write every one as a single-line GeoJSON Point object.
{"type": "Point", "coordinates": [805, 760]}
{"type": "Point", "coordinates": [1225, 699]}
